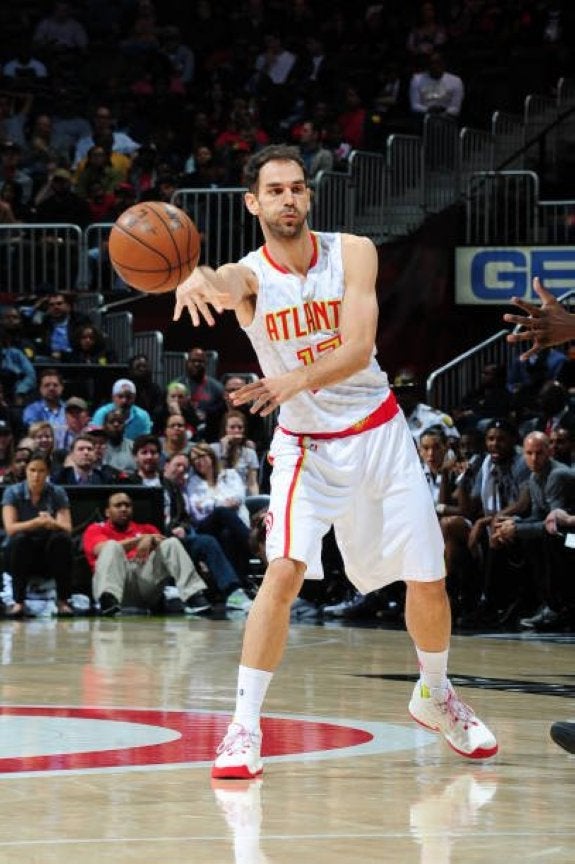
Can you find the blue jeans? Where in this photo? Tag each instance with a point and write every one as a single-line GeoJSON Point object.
{"type": "Point", "coordinates": [207, 548]}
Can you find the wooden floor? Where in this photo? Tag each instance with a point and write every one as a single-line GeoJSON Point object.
{"type": "Point", "coordinates": [108, 728]}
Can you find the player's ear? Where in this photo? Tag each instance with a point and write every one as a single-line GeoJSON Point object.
{"type": "Point", "coordinates": [251, 203]}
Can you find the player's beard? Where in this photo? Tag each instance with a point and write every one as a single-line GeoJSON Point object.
{"type": "Point", "coordinates": [282, 231]}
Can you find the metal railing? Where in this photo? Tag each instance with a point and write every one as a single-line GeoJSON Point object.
{"type": "Point", "coordinates": [404, 201]}
{"type": "Point", "coordinates": [446, 386]}
{"type": "Point", "coordinates": [34, 256]}
{"type": "Point", "coordinates": [118, 327]}
{"type": "Point", "coordinates": [502, 206]}
{"type": "Point", "coordinates": [556, 222]}
{"type": "Point", "coordinates": [151, 344]}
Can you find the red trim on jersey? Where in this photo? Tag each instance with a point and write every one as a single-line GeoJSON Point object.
{"type": "Point", "coordinates": [289, 501]}
{"type": "Point", "coordinates": [281, 268]}
{"type": "Point", "coordinates": [386, 411]}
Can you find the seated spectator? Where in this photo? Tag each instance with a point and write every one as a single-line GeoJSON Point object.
{"type": "Point", "coordinates": [24, 67]}
{"type": "Point", "coordinates": [215, 504]}
{"type": "Point", "coordinates": [50, 407]}
{"type": "Point", "coordinates": [409, 391]}
{"type": "Point", "coordinates": [177, 401]}
{"type": "Point", "coordinates": [562, 445]}
{"type": "Point", "coordinates": [490, 399]}
{"type": "Point", "coordinates": [60, 30]}
{"type": "Point", "coordinates": [36, 516]}
{"type": "Point", "coordinates": [526, 377]}
{"type": "Point", "coordinates": [80, 469]}
{"type": "Point", "coordinates": [89, 346]}
{"type": "Point", "coordinates": [16, 472]}
{"type": "Point", "coordinates": [351, 121]}
{"type": "Point", "coordinates": [57, 202]}
{"type": "Point", "coordinates": [206, 394]}
{"type": "Point", "coordinates": [17, 374]}
{"type": "Point", "coordinates": [15, 332]}
{"type": "Point", "coordinates": [138, 421]}
{"type": "Point", "coordinates": [233, 450]}
{"type": "Point", "coordinates": [440, 472]}
{"type": "Point", "coordinates": [6, 448]}
{"type": "Point", "coordinates": [55, 322]}
{"type": "Point", "coordinates": [109, 473]}
{"type": "Point", "coordinates": [316, 158]}
{"type": "Point", "coordinates": [203, 547]}
{"type": "Point", "coordinates": [552, 409]}
{"type": "Point", "coordinates": [118, 453]}
{"type": "Point", "coordinates": [43, 436]}
{"type": "Point", "coordinates": [496, 489]}
{"type": "Point", "coordinates": [10, 415]}
{"type": "Point", "coordinates": [436, 91]}
{"type": "Point", "coordinates": [255, 424]}
{"type": "Point", "coordinates": [175, 439]}
{"type": "Point", "coordinates": [97, 169]}
{"type": "Point", "coordinates": [77, 418]}
{"type": "Point", "coordinates": [11, 171]}
{"type": "Point", "coordinates": [551, 486]}
{"type": "Point", "coordinates": [428, 36]}
{"type": "Point", "coordinates": [180, 55]}
{"type": "Point", "coordinates": [132, 562]}
{"type": "Point", "coordinates": [103, 124]}
{"type": "Point", "coordinates": [149, 395]}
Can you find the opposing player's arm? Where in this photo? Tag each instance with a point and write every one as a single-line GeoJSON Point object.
{"type": "Point", "coordinates": [231, 286]}
{"type": "Point", "coordinates": [358, 323]}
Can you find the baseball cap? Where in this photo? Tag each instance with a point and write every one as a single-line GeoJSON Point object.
{"type": "Point", "coordinates": [98, 431]}
{"type": "Point", "coordinates": [76, 402]}
{"type": "Point", "coordinates": [405, 378]}
{"type": "Point", "coordinates": [501, 423]}
{"type": "Point", "coordinates": [123, 384]}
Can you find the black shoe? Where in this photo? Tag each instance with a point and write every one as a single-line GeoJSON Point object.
{"type": "Point", "coordinates": [197, 604]}
{"type": "Point", "coordinates": [564, 735]}
{"type": "Point", "coordinates": [109, 605]}
{"type": "Point", "coordinates": [357, 606]}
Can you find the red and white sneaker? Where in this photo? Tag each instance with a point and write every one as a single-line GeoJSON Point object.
{"type": "Point", "coordinates": [455, 720]}
{"type": "Point", "coordinates": [238, 756]}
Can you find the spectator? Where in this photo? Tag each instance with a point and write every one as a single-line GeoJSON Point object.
{"type": "Point", "coordinates": [89, 347]}
{"type": "Point", "coordinates": [80, 467]}
{"type": "Point", "coordinates": [77, 417]}
{"type": "Point", "coordinates": [551, 486]}
{"type": "Point", "coordinates": [132, 562]}
{"type": "Point", "coordinates": [6, 447]}
{"type": "Point", "coordinates": [490, 399]}
{"type": "Point", "coordinates": [428, 36]}
{"type": "Point", "coordinates": [206, 393]}
{"type": "Point", "coordinates": [149, 395]}
{"type": "Point", "coordinates": [181, 56]}
{"type": "Point", "coordinates": [201, 546]}
{"type": "Point", "coordinates": [419, 416]}
{"type": "Point", "coordinates": [177, 401]}
{"type": "Point", "coordinates": [17, 374]}
{"type": "Point", "coordinates": [36, 516]}
{"type": "Point", "coordinates": [351, 121]}
{"type": "Point", "coordinates": [97, 169]}
{"type": "Point", "coordinates": [56, 325]}
{"type": "Point", "coordinates": [12, 172]}
{"type": "Point", "coordinates": [24, 68]}
{"type": "Point", "coordinates": [175, 439]}
{"type": "Point", "coordinates": [562, 445]}
{"type": "Point", "coordinates": [50, 407]}
{"type": "Point", "coordinates": [552, 410]}
{"type": "Point", "coordinates": [215, 504]}
{"type": "Point", "coordinates": [118, 452]}
{"type": "Point", "coordinates": [436, 91]}
{"type": "Point", "coordinates": [315, 157]}
{"type": "Point", "coordinates": [234, 451]}
{"type": "Point", "coordinates": [103, 124]}
{"type": "Point", "coordinates": [57, 202]}
{"type": "Point", "coordinates": [138, 421]}
{"type": "Point", "coordinates": [526, 377]}
{"type": "Point", "coordinates": [60, 30]}
{"type": "Point", "coordinates": [12, 325]}
{"type": "Point", "coordinates": [16, 472]}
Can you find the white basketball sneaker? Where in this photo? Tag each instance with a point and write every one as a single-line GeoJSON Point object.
{"type": "Point", "coordinates": [455, 720]}
{"type": "Point", "coordinates": [238, 756]}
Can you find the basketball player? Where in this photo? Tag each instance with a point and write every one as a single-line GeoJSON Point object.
{"type": "Point", "coordinates": [342, 453]}
{"type": "Point", "coordinates": [546, 325]}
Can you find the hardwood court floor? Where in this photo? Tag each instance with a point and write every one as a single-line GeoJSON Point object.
{"type": "Point", "coordinates": [107, 728]}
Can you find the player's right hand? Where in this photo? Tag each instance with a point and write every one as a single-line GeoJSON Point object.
{"type": "Point", "coordinates": [197, 293]}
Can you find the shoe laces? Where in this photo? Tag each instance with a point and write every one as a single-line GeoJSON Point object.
{"type": "Point", "coordinates": [238, 740]}
{"type": "Point", "coordinates": [457, 710]}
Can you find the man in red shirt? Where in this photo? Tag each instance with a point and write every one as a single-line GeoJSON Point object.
{"type": "Point", "coordinates": [132, 562]}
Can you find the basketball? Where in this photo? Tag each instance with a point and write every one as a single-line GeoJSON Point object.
{"type": "Point", "coordinates": [154, 246]}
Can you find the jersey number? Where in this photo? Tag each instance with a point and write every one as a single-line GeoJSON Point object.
{"type": "Point", "coordinates": [307, 356]}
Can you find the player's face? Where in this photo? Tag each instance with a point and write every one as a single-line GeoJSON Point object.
{"type": "Point", "coordinates": [282, 199]}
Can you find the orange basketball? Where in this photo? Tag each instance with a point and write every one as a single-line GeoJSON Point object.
{"type": "Point", "coordinates": [154, 246]}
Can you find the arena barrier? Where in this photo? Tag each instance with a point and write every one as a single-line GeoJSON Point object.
{"type": "Point", "coordinates": [35, 258]}
{"type": "Point", "coordinates": [502, 207]}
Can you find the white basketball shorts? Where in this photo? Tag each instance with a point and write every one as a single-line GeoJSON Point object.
{"type": "Point", "coordinates": [372, 489]}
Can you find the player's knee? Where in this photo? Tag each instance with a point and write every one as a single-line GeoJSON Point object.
{"type": "Point", "coordinates": [284, 579]}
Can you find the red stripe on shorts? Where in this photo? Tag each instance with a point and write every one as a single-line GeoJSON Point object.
{"type": "Point", "coordinates": [289, 501]}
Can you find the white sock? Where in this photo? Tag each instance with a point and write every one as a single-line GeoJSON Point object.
{"type": "Point", "coordinates": [433, 669]}
{"type": "Point", "coordinates": [252, 688]}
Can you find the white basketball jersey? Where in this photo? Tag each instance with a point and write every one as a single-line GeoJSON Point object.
{"type": "Point", "coordinates": [295, 322]}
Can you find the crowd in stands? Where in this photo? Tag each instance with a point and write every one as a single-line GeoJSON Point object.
{"type": "Point", "coordinates": [106, 103]}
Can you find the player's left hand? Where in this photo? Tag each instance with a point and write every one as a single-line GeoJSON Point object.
{"type": "Point", "coordinates": [267, 394]}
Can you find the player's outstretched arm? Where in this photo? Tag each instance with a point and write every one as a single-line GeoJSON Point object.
{"type": "Point", "coordinates": [229, 287]}
{"type": "Point", "coordinates": [358, 323]}
{"type": "Point", "coordinates": [545, 325]}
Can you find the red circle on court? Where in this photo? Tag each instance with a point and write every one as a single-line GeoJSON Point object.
{"type": "Point", "coordinates": [199, 734]}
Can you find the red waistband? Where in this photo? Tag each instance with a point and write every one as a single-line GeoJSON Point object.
{"type": "Point", "coordinates": [386, 411]}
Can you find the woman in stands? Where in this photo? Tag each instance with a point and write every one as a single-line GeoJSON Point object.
{"type": "Point", "coordinates": [234, 451]}
{"type": "Point", "coordinates": [89, 346]}
{"type": "Point", "coordinates": [38, 525]}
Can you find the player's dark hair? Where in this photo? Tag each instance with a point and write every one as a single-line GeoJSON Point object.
{"type": "Point", "coordinates": [275, 152]}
